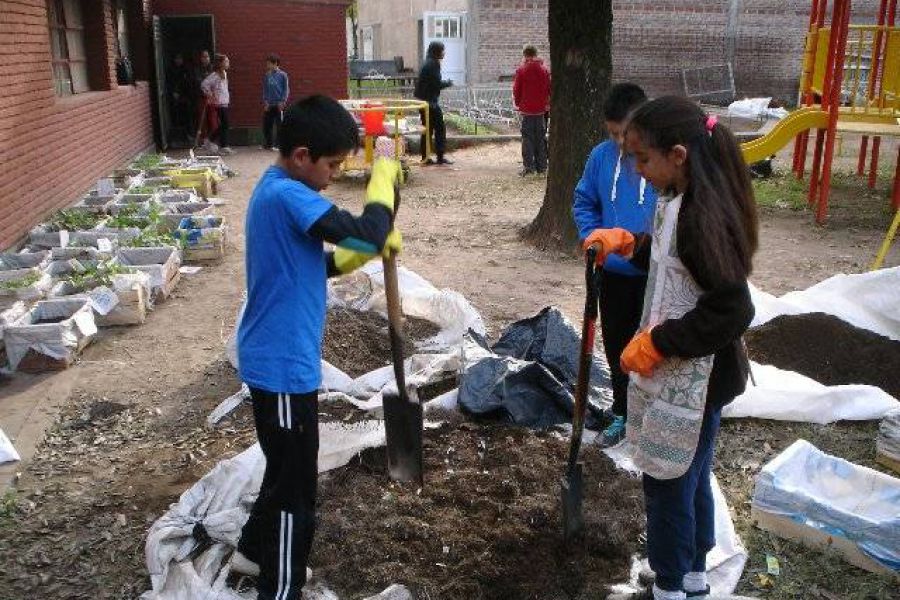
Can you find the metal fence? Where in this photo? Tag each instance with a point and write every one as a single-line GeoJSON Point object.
{"type": "Point", "coordinates": [713, 83]}
{"type": "Point", "coordinates": [490, 105]}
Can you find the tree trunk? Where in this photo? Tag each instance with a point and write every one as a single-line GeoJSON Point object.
{"type": "Point", "coordinates": [580, 56]}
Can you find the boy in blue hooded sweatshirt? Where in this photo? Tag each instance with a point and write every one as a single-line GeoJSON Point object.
{"type": "Point", "coordinates": [613, 197]}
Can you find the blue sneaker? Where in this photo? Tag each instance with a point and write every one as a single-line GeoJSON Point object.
{"type": "Point", "coordinates": [613, 434]}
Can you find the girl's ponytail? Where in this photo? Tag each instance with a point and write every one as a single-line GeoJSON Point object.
{"type": "Point", "coordinates": [719, 211]}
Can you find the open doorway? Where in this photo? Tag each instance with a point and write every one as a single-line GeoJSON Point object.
{"type": "Point", "coordinates": [178, 44]}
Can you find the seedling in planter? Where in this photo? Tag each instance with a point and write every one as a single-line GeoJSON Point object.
{"type": "Point", "coordinates": [152, 239]}
{"type": "Point", "coordinates": [73, 220]}
{"type": "Point", "coordinates": [147, 161]}
{"type": "Point", "coordinates": [101, 274]}
{"type": "Point", "coordinates": [21, 283]}
{"type": "Point", "coordinates": [142, 189]}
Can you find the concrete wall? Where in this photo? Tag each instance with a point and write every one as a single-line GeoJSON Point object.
{"type": "Point", "coordinates": [398, 33]}
{"type": "Point", "coordinates": [52, 149]}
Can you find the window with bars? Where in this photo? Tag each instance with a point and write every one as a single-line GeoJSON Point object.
{"type": "Point", "coordinates": [67, 44]}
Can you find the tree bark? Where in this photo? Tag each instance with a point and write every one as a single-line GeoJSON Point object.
{"type": "Point", "coordinates": [580, 34]}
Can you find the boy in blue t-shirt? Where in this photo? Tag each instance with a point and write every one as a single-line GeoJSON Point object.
{"type": "Point", "coordinates": [280, 334]}
{"type": "Point", "coordinates": [613, 201]}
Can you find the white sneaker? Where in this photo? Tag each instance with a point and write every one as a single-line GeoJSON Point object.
{"type": "Point", "coordinates": [243, 565]}
{"type": "Point", "coordinates": [226, 150]}
{"type": "Point", "coordinates": [210, 147]}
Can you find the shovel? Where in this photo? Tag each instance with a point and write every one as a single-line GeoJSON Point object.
{"type": "Point", "coordinates": [572, 489]}
{"type": "Point", "coordinates": [402, 411]}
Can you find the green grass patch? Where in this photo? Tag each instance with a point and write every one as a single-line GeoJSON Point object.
{"type": "Point", "coordinates": [466, 126]}
{"type": "Point", "coordinates": [782, 190]}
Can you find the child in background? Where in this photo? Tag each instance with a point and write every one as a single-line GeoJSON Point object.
{"type": "Point", "coordinates": [275, 94]}
{"type": "Point", "coordinates": [280, 334]}
{"type": "Point", "coordinates": [215, 88]}
{"type": "Point", "coordinates": [612, 199]}
{"type": "Point", "coordinates": [687, 361]}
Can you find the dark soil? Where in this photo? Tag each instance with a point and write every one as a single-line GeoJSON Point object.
{"type": "Point", "coordinates": [357, 342]}
{"type": "Point", "coordinates": [828, 350]}
{"type": "Point", "coordinates": [50, 320]}
{"type": "Point", "coordinates": [486, 524]}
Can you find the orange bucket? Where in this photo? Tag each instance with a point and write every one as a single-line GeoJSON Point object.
{"type": "Point", "coordinates": [373, 120]}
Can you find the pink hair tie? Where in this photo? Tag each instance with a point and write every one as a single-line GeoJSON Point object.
{"type": "Point", "coordinates": [711, 122]}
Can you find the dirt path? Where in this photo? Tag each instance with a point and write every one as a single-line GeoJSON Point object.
{"type": "Point", "coordinates": [130, 433]}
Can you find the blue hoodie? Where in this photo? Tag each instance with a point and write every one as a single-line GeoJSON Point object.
{"type": "Point", "coordinates": [594, 207]}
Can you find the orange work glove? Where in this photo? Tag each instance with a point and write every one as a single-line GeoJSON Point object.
{"type": "Point", "coordinates": [640, 355]}
{"type": "Point", "coordinates": [610, 241]}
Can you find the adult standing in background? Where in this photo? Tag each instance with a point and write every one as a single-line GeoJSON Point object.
{"type": "Point", "coordinates": [204, 115]}
{"type": "Point", "coordinates": [428, 89]}
{"type": "Point", "coordinates": [218, 98]}
{"type": "Point", "coordinates": [275, 95]}
{"type": "Point", "coordinates": [531, 95]}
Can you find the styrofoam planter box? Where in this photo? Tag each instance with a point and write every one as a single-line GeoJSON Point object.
{"type": "Point", "coordinates": [96, 203]}
{"type": "Point", "coordinates": [132, 291]}
{"type": "Point", "coordinates": [203, 238]}
{"type": "Point", "coordinates": [179, 196]}
{"type": "Point", "coordinates": [84, 253]}
{"type": "Point", "coordinates": [175, 213]}
{"type": "Point", "coordinates": [24, 260]}
{"type": "Point", "coordinates": [50, 336]}
{"type": "Point", "coordinates": [123, 234]}
{"type": "Point", "coordinates": [141, 198]}
{"type": "Point", "coordinates": [9, 315]}
{"type": "Point", "coordinates": [24, 284]}
{"type": "Point", "coordinates": [158, 182]}
{"type": "Point", "coordinates": [161, 264]}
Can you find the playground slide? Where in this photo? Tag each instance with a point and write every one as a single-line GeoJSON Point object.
{"type": "Point", "coordinates": [786, 130]}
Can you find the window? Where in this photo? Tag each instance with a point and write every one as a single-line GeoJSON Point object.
{"type": "Point", "coordinates": [67, 43]}
{"type": "Point", "coordinates": [445, 28]}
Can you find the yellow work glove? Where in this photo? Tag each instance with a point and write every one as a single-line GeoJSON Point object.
{"type": "Point", "coordinates": [346, 261]}
{"type": "Point", "coordinates": [386, 173]}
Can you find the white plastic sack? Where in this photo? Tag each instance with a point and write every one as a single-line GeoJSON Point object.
{"type": "Point", "coordinates": [448, 309]}
{"type": "Point", "coordinates": [835, 497]}
{"type": "Point", "coordinates": [789, 396]}
{"type": "Point", "coordinates": [867, 300]}
{"type": "Point", "coordinates": [755, 108]}
{"type": "Point", "coordinates": [7, 450]}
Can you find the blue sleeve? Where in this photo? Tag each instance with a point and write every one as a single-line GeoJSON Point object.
{"type": "Point", "coordinates": [302, 206]}
{"type": "Point", "coordinates": [588, 206]}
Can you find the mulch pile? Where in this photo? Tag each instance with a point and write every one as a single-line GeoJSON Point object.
{"type": "Point", "coordinates": [486, 524]}
{"type": "Point", "coordinates": [828, 350]}
{"type": "Point", "coordinates": [357, 342]}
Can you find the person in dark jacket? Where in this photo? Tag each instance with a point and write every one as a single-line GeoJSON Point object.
{"type": "Point", "coordinates": [428, 89]}
{"type": "Point", "coordinates": [178, 86]}
{"type": "Point", "coordinates": [687, 361]}
{"type": "Point", "coordinates": [531, 95]}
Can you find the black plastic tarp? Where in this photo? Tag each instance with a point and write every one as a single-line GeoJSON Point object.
{"type": "Point", "coordinates": [528, 377]}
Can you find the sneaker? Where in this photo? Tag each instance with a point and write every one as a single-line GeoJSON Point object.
{"type": "Point", "coordinates": [643, 594]}
{"type": "Point", "coordinates": [274, 149]}
{"type": "Point", "coordinates": [226, 150]}
{"type": "Point", "coordinates": [444, 161]}
{"type": "Point", "coordinates": [525, 172]}
{"type": "Point", "coordinates": [210, 147]}
{"type": "Point", "coordinates": [613, 434]}
{"type": "Point", "coordinates": [428, 162]}
{"type": "Point", "coordinates": [701, 595]}
{"type": "Point", "coordinates": [243, 565]}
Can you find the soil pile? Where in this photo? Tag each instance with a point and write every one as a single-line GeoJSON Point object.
{"type": "Point", "coordinates": [357, 342]}
{"type": "Point", "coordinates": [827, 349]}
{"type": "Point", "coordinates": [486, 524]}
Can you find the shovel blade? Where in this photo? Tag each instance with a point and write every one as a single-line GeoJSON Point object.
{"type": "Point", "coordinates": [571, 494]}
{"type": "Point", "coordinates": [403, 430]}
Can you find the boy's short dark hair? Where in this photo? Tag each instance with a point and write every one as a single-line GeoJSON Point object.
{"type": "Point", "coordinates": [274, 59]}
{"type": "Point", "coordinates": [529, 51]}
{"type": "Point", "coordinates": [621, 100]}
{"type": "Point", "coordinates": [319, 123]}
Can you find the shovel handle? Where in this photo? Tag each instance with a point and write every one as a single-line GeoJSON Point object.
{"type": "Point", "coordinates": [394, 309]}
{"type": "Point", "coordinates": [586, 356]}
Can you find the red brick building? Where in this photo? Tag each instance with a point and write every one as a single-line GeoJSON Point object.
{"type": "Point", "coordinates": [64, 121]}
{"type": "Point", "coordinates": [308, 35]}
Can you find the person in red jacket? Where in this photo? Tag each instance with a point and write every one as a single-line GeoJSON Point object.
{"type": "Point", "coordinates": [531, 94]}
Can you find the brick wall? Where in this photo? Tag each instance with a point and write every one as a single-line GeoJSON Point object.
{"type": "Point", "coordinates": [654, 39]}
{"type": "Point", "coordinates": [310, 38]}
{"type": "Point", "coordinates": [53, 149]}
